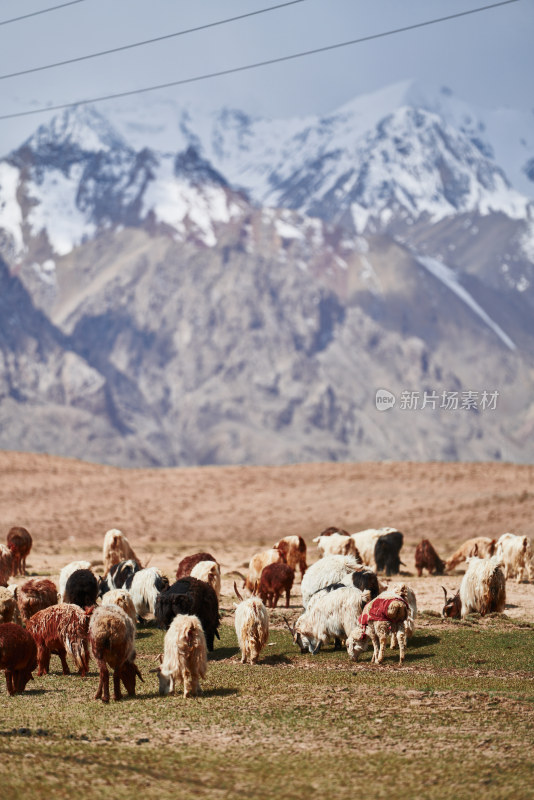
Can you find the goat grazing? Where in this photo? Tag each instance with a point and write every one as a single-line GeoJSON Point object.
{"type": "Point", "coordinates": [188, 562]}
{"type": "Point", "coordinates": [483, 587]}
{"type": "Point", "coordinates": [65, 574]}
{"type": "Point", "coordinates": [6, 564]}
{"type": "Point", "coordinates": [482, 590]}
{"type": "Point", "coordinates": [210, 572]}
{"type": "Point", "coordinates": [329, 615]}
{"type": "Point", "coordinates": [19, 541]}
{"type": "Point", "coordinates": [59, 630]}
{"type": "Point", "coordinates": [257, 564]}
{"type": "Point", "coordinates": [18, 656]}
{"type": "Point", "coordinates": [365, 542]}
{"type": "Point", "coordinates": [326, 571]}
{"type": "Point", "coordinates": [480, 546]}
{"type": "Point", "coordinates": [386, 614]}
{"type": "Point", "coordinates": [112, 640]}
{"type": "Point", "coordinates": [275, 579]}
{"type": "Point", "coordinates": [427, 558]}
{"type": "Point", "coordinates": [515, 552]}
{"type": "Point", "coordinates": [251, 626]}
{"type": "Point", "coordinates": [123, 599]}
{"type": "Point", "coordinates": [34, 595]}
{"type": "Point", "coordinates": [184, 656]}
{"type": "Point", "coordinates": [387, 552]}
{"type": "Point", "coordinates": [293, 550]}
{"type": "Point", "coordinates": [192, 597]}
{"type": "Point", "coordinates": [81, 588]}
{"type": "Point", "coordinates": [116, 548]}
{"type": "Point", "coordinates": [119, 575]}
{"type": "Point", "coordinates": [145, 587]}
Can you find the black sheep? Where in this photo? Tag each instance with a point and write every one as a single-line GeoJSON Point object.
{"type": "Point", "coordinates": [190, 596]}
{"type": "Point", "coordinates": [387, 549]}
{"type": "Point", "coordinates": [81, 588]}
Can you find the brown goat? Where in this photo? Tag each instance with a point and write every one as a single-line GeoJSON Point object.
{"type": "Point", "coordinates": [60, 629]}
{"type": "Point", "coordinates": [35, 595]}
{"type": "Point", "coordinates": [293, 549]}
{"type": "Point", "coordinates": [19, 542]}
{"type": "Point", "coordinates": [274, 580]}
{"type": "Point", "coordinates": [18, 656]}
{"type": "Point", "coordinates": [427, 558]}
{"type": "Point", "coordinates": [480, 546]}
{"type": "Point", "coordinates": [189, 562]}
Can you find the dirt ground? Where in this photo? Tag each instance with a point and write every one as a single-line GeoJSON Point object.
{"type": "Point", "coordinates": [233, 512]}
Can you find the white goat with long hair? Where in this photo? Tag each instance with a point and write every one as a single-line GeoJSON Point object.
{"type": "Point", "coordinates": [251, 626]}
{"type": "Point", "coordinates": [515, 553]}
{"type": "Point", "coordinates": [483, 587]}
{"type": "Point", "coordinates": [185, 656]}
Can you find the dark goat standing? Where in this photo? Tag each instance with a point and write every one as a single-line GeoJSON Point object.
{"type": "Point", "coordinates": [19, 541]}
{"type": "Point", "coordinates": [387, 549]}
{"type": "Point", "coordinates": [186, 564]}
{"type": "Point", "coordinates": [427, 558]}
{"type": "Point", "coordinates": [18, 656]}
{"type": "Point", "coordinates": [275, 579]}
{"type": "Point", "coordinates": [190, 596]}
{"type": "Point", "coordinates": [81, 588]}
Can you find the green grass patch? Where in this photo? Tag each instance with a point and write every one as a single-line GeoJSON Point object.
{"type": "Point", "coordinates": [291, 726]}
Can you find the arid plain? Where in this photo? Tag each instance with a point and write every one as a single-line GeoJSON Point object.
{"type": "Point", "coordinates": [233, 512]}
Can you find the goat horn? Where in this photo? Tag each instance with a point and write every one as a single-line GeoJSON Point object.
{"type": "Point", "coordinates": [291, 630]}
{"type": "Point", "coordinates": [236, 592]}
{"type": "Point", "coordinates": [445, 593]}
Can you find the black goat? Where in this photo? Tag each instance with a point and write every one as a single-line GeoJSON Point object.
{"type": "Point", "coordinates": [81, 588]}
{"type": "Point", "coordinates": [120, 576]}
{"type": "Point", "coordinates": [190, 596]}
{"type": "Point", "coordinates": [387, 550]}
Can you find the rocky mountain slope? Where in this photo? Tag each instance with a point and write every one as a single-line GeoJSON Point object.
{"type": "Point", "coordinates": [242, 297]}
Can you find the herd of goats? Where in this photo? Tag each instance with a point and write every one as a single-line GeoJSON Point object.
{"type": "Point", "coordinates": [343, 597]}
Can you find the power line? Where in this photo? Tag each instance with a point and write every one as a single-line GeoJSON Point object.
{"type": "Point", "coordinates": [148, 41]}
{"type": "Point", "coordinates": [256, 65]}
{"type": "Point", "coordinates": [43, 11]}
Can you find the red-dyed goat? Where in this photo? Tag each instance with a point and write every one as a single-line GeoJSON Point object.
{"type": "Point", "coordinates": [60, 629]}
{"type": "Point", "coordinates": [18, 656]}
{"type": "Point", "coordinates": [275, 579]}
{"type": "Point", "coordinates": [35, 595]}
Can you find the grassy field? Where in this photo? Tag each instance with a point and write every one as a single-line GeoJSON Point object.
{"type": "Point", "coordinates": [456, 720]}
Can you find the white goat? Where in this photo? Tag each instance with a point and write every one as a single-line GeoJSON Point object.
{"type": "Point", "coordinates": [330, 615]}
{"type": "Point", "coordinates": [326, 571]}
{"type": "Point", "coordinates": [515, 553]}
{"type": "Point", "coordinates": [336, 544]}
{"type": "Point", "coordinates": [185, 656]}
{"type": "Point", "coordinates": [251, 626]}
{"type": "Point", "coordinates": [145, 587]}
{"type": "Point", "coordinates": [210, 572]}
{"type": "Point", "coordinates": [65, 574]}
{"type": "Point", "coordinates": [483, 586]}
{"type": "Point", "coordinates": [123, 599]}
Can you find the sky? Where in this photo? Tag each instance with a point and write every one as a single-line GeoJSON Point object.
{"type": "Point", "coordinates": [485, 58]}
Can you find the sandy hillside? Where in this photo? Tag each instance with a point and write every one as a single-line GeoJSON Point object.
{"type": "Point", "coordinates": [233, 512]}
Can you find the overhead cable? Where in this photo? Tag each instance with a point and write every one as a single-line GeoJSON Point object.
{"type": "Point", "coordinates": [256, 65]}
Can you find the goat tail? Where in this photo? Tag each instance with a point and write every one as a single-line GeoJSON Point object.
{"type": "Point", "coordinates": [397, 611]}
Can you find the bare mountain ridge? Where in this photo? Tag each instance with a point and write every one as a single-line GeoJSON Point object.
{"type": "Point", "coordinates": [222, 331]}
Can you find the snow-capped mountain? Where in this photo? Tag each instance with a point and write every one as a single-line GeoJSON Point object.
{"type": "Point", "coordinates": [237, 289]}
